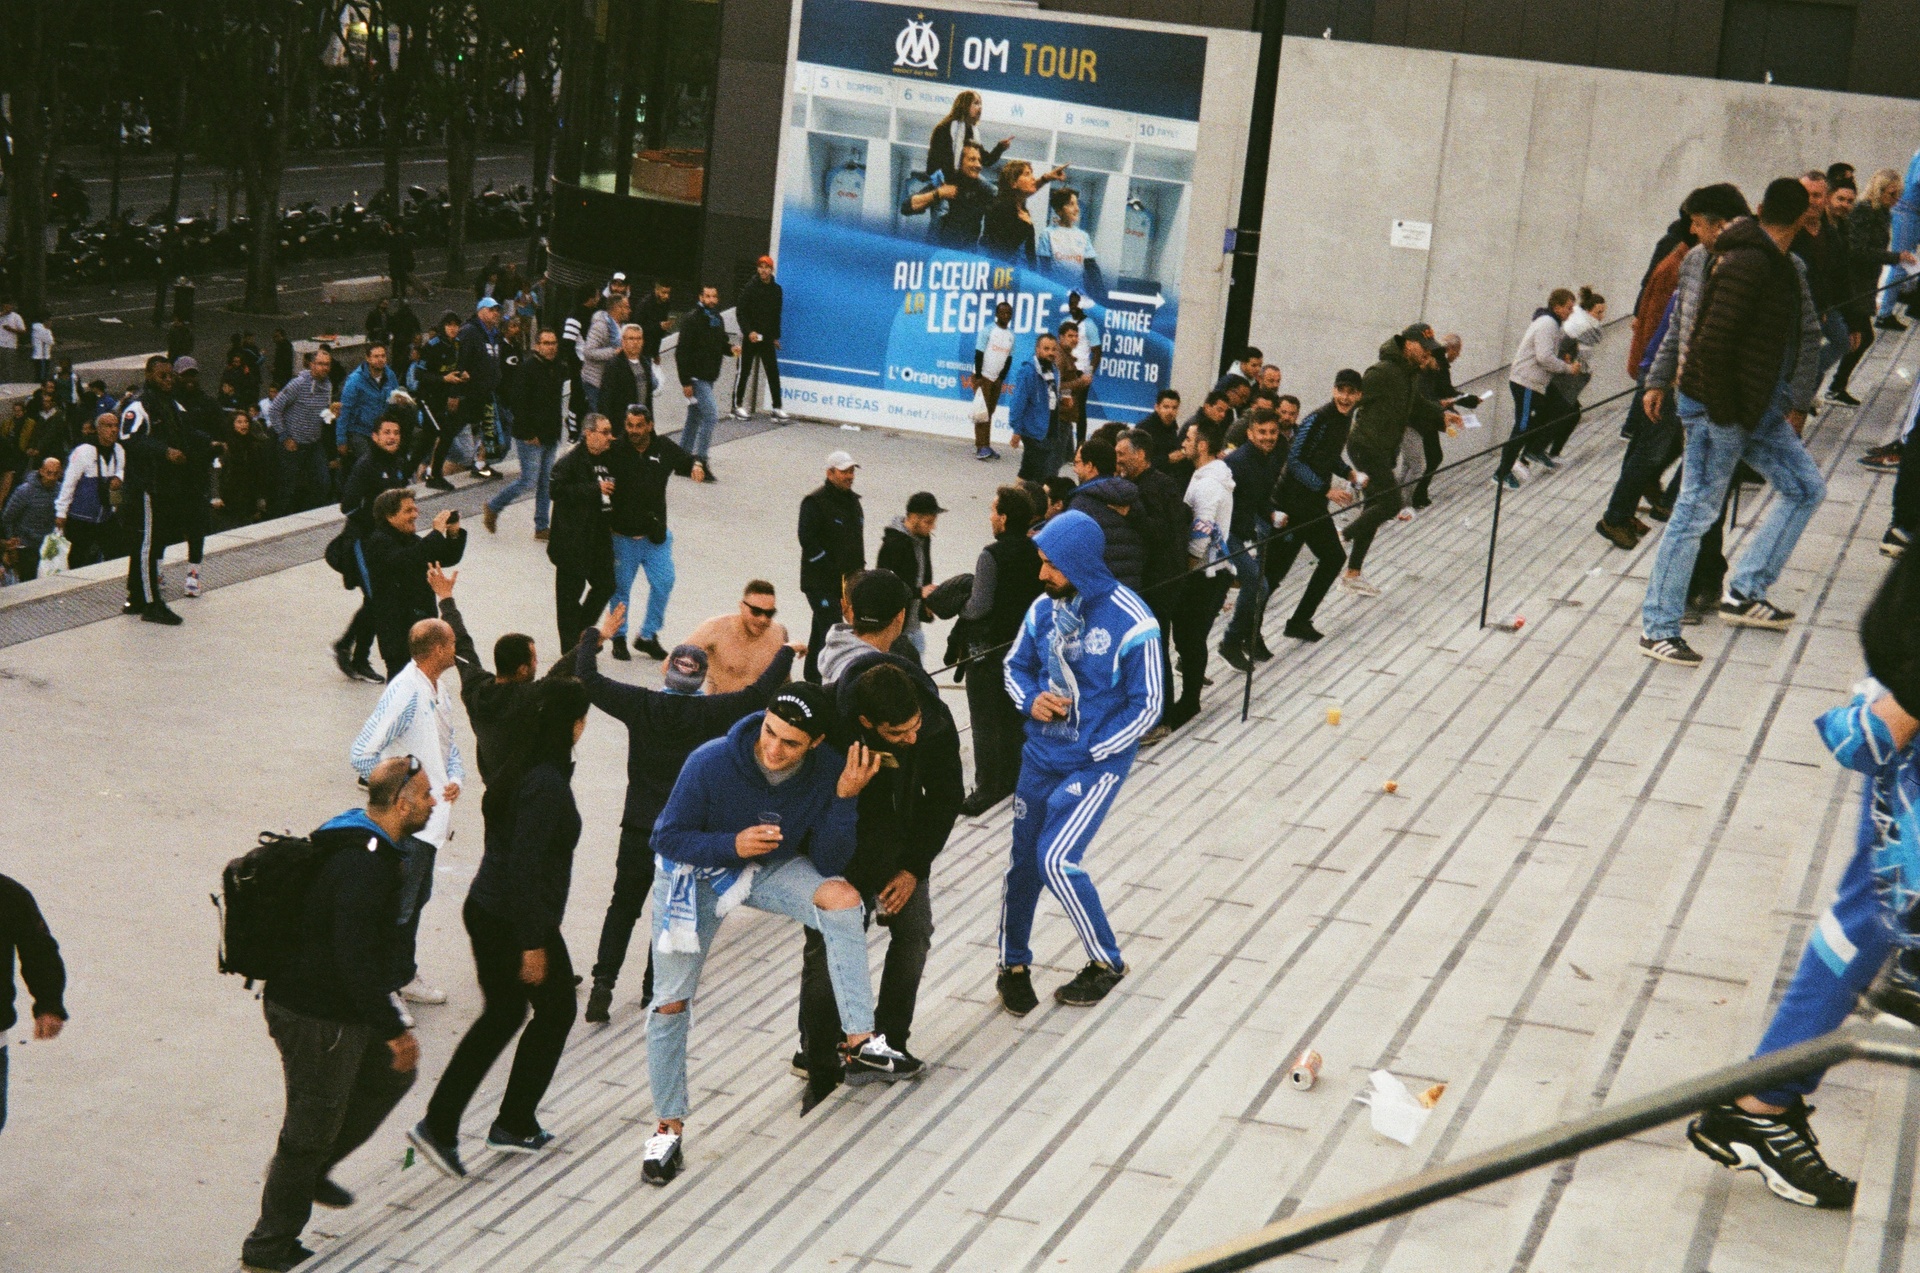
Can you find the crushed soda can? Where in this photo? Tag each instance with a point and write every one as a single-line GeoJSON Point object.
{"type": "Point", "coordinates": [1512, 623]}
{"type": "Point", "coordinates": [1305, 1071]}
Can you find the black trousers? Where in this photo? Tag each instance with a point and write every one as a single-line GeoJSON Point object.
{"type": "Point", "coordinates": [439, 426]}
{"type": "Point", "coordinates": [999, 731]}
{"type": "Point", "coordinates": [496, 956]}
{"type": "Point", "coordinates": [93, 542]}
{"type": "Point", "coordinates": [763, 353]}
{"type": "Point", "coordinates": [1308, 527]}
{"type": "Point", "coordinates": [1432, 458]}
{"type": "Point", "coordinates": [1382, 495]}
{"type": "Point", "coordinates": [1906, 488]}
{"type": "Point", "coordinates": [826, 613]}
{"type": "Point", "coordinates": [1851, 359]}
{"type": "Point", "coordinates": [578, 602]}
{"type": "Point", "coordinates": [910, 938]}
{"type": "Point", "coordinates": [632, 883]}
{"type": "Point", "coordinates": [149, 544]}
{"type": "Point", "coordinates": [359, 633]}
{"type": "Point", "coordinates": [341, 1085]}
{"type": "Point", "coordinates": [1192, 626]}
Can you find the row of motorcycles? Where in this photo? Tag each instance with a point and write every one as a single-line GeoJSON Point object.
{"type": "Point", "coordinates": [133, 247]}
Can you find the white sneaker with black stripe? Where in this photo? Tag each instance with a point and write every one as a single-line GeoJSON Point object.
{"type": "Point", "coordinates": [1670, 650]}
{"type": "Point", "coordinates": [661, 1161]}
{"type": "Point", "coordinates": [875, 1062]}
{"type": "Point", "coordinates": [1743, 612]}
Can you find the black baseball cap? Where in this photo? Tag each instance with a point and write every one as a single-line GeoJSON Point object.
{"type": "Point", "coordinates": [876, 597]}
{"type": "Point", "coordinates": [1424, 335]}
{"type": "Point", "coordinates": [923, 502]}
{"type": "Point", "coordinates": [1346, 378]}
{"type": "Point", "coordinates": [803, 705]}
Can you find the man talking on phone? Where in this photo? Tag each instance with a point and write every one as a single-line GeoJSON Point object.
{"type": "Point", "coordinates": [892, 708]}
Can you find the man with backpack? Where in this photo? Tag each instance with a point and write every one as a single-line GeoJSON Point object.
{"type": "Point", "coordinates": [347, 1056]}
{"type": "Point", "coordinates": [24, 931]}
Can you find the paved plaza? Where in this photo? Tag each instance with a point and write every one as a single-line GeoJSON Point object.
{"type": "Point", "coordinates": [1591, 877]}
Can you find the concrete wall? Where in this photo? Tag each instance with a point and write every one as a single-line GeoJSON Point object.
{"type": "Point", "coordinates": [1533, 175]}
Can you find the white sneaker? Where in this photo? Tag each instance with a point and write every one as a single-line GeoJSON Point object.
{"type": "Point", "coordinates": [741, 413]}
{"type": "Point", "coordinates": [1522, 470]}
{"type": "Point", "coordinates": [1405, 515]}
{"type": "Point", "coordinates": [418, 991]}
{"type": "Point", "coordinates": [1358, 585]}
{"type": "Point", "coordinates": [780, 415]}
{"type": "Point", "coordinates": [661, 1161]}
{"type": "Point", "coordinates": [193, 583]}
{"type": "Point", "coordinates": [400, 1006]}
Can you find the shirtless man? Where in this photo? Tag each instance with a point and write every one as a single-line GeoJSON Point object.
{"type": "Point", "coordinates": [739, 646]}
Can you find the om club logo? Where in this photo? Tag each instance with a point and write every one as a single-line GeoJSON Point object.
{"type": "Point", "coordinates": [917, 48]}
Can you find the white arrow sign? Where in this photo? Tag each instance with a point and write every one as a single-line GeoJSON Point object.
{"type": "Point", "coordinates": [1156, 300]}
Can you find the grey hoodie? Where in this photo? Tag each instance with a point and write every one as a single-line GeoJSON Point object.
{"type": "Point", "coordinates": [838, 650]}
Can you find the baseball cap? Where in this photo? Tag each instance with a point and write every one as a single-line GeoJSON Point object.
{"type": "Point", "coordinates": [486, 302]}
{"type": "Point", "coordinates": [802, 705]}
{"type": "Point", "coordinates": [183, 364]}
{"type": "Point", "coordinates": [765, 260]}
{"type": "Point", "coordinates": [876, 597]}
{"type": "Point", "coordinates": [1346, 378]}
{"type": "Point", "coordinates": [923, 502]}
{"type": "Point", "coordinates": [685, 670]}
{"type": "Point", "coordinates": [619, 276]}
{"type": "Point", "coordinates": [1424, 334]}
{"type": "Point", "coordinates": [840, 461]}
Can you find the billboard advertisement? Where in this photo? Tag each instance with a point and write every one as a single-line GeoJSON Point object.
{"type": "Point", "coordinates": [936, 163]}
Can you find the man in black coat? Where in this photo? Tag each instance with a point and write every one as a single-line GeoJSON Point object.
{"type": "Point", "coordinates": [703, 348]}
{"type": "Point", "coordinates": [396, 563]}
{"type": "Point", "coordinates": [23, 930]}
{"type": "Point", "coordinates": [164, 451]}
{"type": "Point", "coordinates": [758, 309]}
{"type": "Point", "coordinates": [628, 379]}
{"type": "Point", "coordinates": [539, 391]}
{"type": "Point", "coordinates": [1165, 523]}
{"type": "Point", "coordinates": [581, 547]}
{"type": "Point", "coordinates": [380, 470]}
{"type": "Point", "coordinates": [1113, 502]}
{"type": "Point", "coordinates": [833, 545]}
{"type": "Point", "coordinates": [663, 728]}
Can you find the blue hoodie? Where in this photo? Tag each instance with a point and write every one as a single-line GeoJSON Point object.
{"type": "Point", "coordinates": [721, 792]}
{"type": "Point", "coordinates": [1099, 648]}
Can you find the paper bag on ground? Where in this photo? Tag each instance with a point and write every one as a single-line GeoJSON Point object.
{"type": "Point", "coordinates": [1396, 1113]}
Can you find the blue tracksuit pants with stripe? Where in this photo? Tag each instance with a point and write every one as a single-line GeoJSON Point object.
{"type": "Point", "coordinates": [1055, 816]}
{"type": "Point", "coordinates": [1846, 949]}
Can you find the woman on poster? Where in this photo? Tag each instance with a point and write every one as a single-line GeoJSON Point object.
{"type": "Point", "coordinates": [952, 134]}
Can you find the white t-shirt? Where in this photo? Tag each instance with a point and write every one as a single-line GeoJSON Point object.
{"type": "Point", "coordinates": [1070, 245]}
{"type": "Point", "coordinates": [42, 341]}
{"type": "Point", "coordinates": [12, 328]}
{"type": "Point", "coordinates": [996, 346]}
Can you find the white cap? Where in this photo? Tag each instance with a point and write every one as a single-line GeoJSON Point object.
{"type": "Point", "coordinates": [840, 461]}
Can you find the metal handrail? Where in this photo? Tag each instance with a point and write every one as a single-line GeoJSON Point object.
{"type": "Point", "coordinates": [1894, 1044]}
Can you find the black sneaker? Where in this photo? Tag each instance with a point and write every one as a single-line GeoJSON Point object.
{"type": "Point", "coordinates": [296, 1255]}
{"type": "Point", "coordinates": [363, 671]}
{"type": "Point", "coordinates": [1618, 536]}
{"type": "Point", "coordinates": [1301, 630]}
{"type": "Point", "coordinates": [1089, 986]}
{"type": "Point", "coordinates": [651, 647]}
{"type": "Point", "coordinates": [1658, 511]}
{"type": "Point", "coordinates": [508, 1142]}
{"type": "Point", "coordinates": [343, 658]}
{"type": "Point", "coordinates": [1888, 323]}
{"type": "Point", "coordinates": [798, 1066]}
{"type": "Point", "coordinates": [443, 1154]}
{"type": "Point", "coordinates": [438, 483]}
{"type": "Point", "coordinates": [158, 613]}
{"type": "Point", "coordinates": [599, 1004]}
{"type": "Point", "coordinates": [1896, 992]}
{"type": "Point", "coordinates": [662, 1160]}
{"type": "Point", "coordinates": [620, 649]}
{"type": "Point", "coordinates": [875, 1062]}
{"type": "Point", "coordinates": [1842, 397]}
{"type": "Point", "coordinates": [1236, 654]}
{"type": "Point", "coordinates": [328, 1194]}
{"type": "Point", "coordinates": [979, 802]}
{"type": "Point", "coordinates": [1015, 986]}
{"type": "Point", "coordinates": [1781, 1147]}
{"type": "Point", "coordinates": [1673, 650]}
{"type": "Point", "coordinates": [1258, 649]}
{"type": "Point", "coordinates": [1757, 612]}
{"type": "Point", "coordinates": [485, 473]}
{"type": "Point", "coordinates": [707, 465]}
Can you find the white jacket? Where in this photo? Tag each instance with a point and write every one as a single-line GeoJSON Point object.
{"type": "Point", "coordinates": [1210, 496]}
{"type": "Point", "coordinates": [86, 461]}
{"type": "Point", "coordinates": [1538, 359]}
{"type": "Point", "coordinates": [415, 718]}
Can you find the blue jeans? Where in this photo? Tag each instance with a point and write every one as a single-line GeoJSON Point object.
{"type": "Point", "coordinates": [536, 470]}
{"type": "Point", "coordinates": [1906, 237]}
{"type": "Point", "coordinates": [1713, 451]}
{"type": "Point", "coordinates": [1834, 341]}
{"type": "Point", "coordinates": [786, 889]}
{"type": "Point", "coordinates": [697, 436]}
{"type": "Point", "coordinates": [416, 889]}
{"type": "Point", "coordinates": [631, 555]}
{"type": "Point", "coordinates": [1250, 606]}
{"type": "Point", "coordinates": [1055, 816]}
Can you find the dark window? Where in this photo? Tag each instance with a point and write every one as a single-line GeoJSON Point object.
{"type": "Point", "coordinates": [1807, 45]}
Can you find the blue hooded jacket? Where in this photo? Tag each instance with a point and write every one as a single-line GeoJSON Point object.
{"type": "Point", "coordinates": [1100, 648]}
{"type": "Point", "coordinates": [721, 792]}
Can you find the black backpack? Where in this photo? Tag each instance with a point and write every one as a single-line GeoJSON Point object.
{"type": "Point", "coordinates": [263, 894]}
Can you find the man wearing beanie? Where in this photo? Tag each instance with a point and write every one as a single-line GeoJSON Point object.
{"type": "Point", "coordinates": [1865, 942]}
{"type": "Point", "coordinates": [763, 817]}
{"type": "Point", "coordinates": [758, 310]}
{"type": "Point", "coordinates": [663, 728]}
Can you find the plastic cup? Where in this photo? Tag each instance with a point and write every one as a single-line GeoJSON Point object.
{"type": "Point", "coordinates": [1333, 716]}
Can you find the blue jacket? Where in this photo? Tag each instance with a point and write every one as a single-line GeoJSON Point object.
{"type": "Point", "coordinates": [721, 792]}
{"type": "Point", "coordinates": [362, 401]}
{"type": "Point", "coordinates": [1099, 648]}
{"type": "Point", "coordinates": [1029, 398]}
{"type": "Point", "coordinates": [1861, 741]}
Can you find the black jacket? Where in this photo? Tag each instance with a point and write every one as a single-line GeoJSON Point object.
{"type": "Point", "coordinates": [397, 566]}
{"type": "Point", "coordinates": [348, 928]}
{"type": "Point", "coordinates": [439, 357]}
{"type": "Point", "coordinates": [1165, 523]}
{"type": "Point", "coordinates": [149, 471]}
{"type": "Point", "coordinates": [479, 357]}
{"type": "Point", "coordinates": [22, 929]}
{"type": "Point", "coordinates": [663, 729]}
{"type": "Point", "coordinates": [1126, 554]}
{"type": "Point", "coordinates": [1016, 583]}
{"type": "Point", "coordinates": [833, 541]}
{"type": "Point", "coordinates": [1825, 256]}
{"type": "Point", "coordinates": [1005, 236]}
{"type": "Point", "coordinates": [537, 399]}
{"type": "Point", "coordinates": [373, 473]}
{"type": "Point", "coordinates": [703, 346]}
{"type": "Point", "coordinates": [907, 812]}
{"type": "Point", "coordinates": [1255, 475]}
{"type": "Point", "coordinates": [620, 388]}
{"type": "Point", "coordinates": [758, 308]}
{"type": "Point", "coordinates": [1869, 249]}
{"type": "Point", "coordinates": [1314, 458]}
{"type": "Point", "coordinates": [640, 485]}
{"type": "Point", "coordinates": [654, 316]}
{"type": "Point", "coordinates": [581, 542]}
{"type": "Point", "coordinates": [526, 870]}
{"type": "Point", "coordinates": [902, 552]}
{"type": "Point", "coordinates": [498, 710]}
{"type": "Point", "coordinates": [1747, 324]}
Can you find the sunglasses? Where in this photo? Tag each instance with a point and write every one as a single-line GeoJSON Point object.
{"type": "Point", "coordinates": [766, 612]}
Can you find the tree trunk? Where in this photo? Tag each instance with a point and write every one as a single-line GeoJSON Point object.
{"type": "Point", "coordinates": [459, 189]}
{"type": "Point", "coordinates": [264, 151]}
{"type": "Point", "coordinates": [393, 85]}
{"type": "Point", "coordinates": [27, 176]}
{"type": "Point", "coordinates": [169, 261]}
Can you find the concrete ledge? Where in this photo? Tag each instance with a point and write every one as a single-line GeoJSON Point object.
{"type": "Point", "coordinates": [371, 287]}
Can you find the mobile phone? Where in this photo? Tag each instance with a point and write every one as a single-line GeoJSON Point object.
{"type": "Point", "coordinates": [453, 518]}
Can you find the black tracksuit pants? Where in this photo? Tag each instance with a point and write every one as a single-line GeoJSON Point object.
{"type": "Point", "coordinates": [1308, 526]}
{"type": "Point", "coordinates": [577, 612]}
{"type": "Point", "coordinates": [763, 353]}
{"type": "Point", "coordinates": [632, 883]}
{"type": "Point", "coordinates": [1192, 626]}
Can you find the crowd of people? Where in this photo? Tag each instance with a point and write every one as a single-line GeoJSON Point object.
{"type": "Point", "coordinates": [820, 779]}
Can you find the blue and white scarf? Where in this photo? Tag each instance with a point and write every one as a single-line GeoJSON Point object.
{"type": "Point", "coordinates": [681, 933]}
{"type": "Point", "coordinates": [1063, 646]}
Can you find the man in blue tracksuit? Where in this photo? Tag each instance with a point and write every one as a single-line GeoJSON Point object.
{"type": "Point", "coordinates": [1871, 925]}
{"type": "Point", "coordinates": [1085, 670]}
